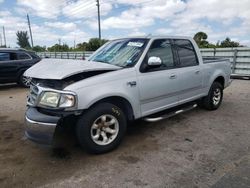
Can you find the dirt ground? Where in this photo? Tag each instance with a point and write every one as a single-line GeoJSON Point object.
{"type": "Point", "coordinates": [194, 149]}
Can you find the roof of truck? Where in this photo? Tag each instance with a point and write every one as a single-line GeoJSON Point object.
{"type": "Point", "coordinates": [159, 36]}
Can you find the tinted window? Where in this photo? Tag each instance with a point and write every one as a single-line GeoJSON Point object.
{"type": "Point", "coordinates": [13, 56]}
{"type": "Point", "coordinates": [23, 56]}
{"type": "Point", "coordinates": [162, 48]}
{"type": "Point", "coordinates": [186, 52]}
{"type": "Point", "coordinates": [4, 56]}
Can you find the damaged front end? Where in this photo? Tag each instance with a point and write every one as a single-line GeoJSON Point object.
{"type": "Point", "coordinates": [49, 106]}
{"type": "Point", "coordinates": [62, 83]}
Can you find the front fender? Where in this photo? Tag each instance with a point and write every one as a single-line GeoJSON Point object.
{"type": "Point", "coordinates": [112, 84]}
{"type": "Point", "coordinates": [93, 95]}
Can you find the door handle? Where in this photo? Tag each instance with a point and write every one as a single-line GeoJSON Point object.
{"type": "Point", "coordinates": [173, 76]}
{"type": "Point", "coordinates": [197, 72]}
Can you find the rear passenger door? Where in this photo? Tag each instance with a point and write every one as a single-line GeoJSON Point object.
{"type": "Point", "coordinates": [12, 64]}
{"type": "Point", "coordinates": [8, 64]}
{"type": "Point", "coordinates": [189, 70]}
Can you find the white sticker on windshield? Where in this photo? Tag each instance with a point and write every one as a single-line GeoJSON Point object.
{"type": "Point", "coordinates": [135, 44]}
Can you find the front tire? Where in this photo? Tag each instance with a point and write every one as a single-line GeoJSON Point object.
{"type": "Point", "coordinates": [24, 81]}
{"type": "Point", "coordinates": [101, 128]}
{"type": "Point", "coordinates": [214, 98]}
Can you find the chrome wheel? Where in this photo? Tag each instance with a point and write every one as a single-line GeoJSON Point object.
{"type": "Point", "coordinates": [104, 130]}
{"type": "Point", "coordinates": [216, 96]}
{"type": "Point", "coordinates": [26, 81]}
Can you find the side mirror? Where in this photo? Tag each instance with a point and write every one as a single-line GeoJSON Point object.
{"type": "Point", "coordinates": [154, 61]}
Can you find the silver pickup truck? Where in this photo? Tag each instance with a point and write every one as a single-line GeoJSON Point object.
{"type": "Point", "coordinates": [148, 78]}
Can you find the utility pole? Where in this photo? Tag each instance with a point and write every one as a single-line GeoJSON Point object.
{"type": "Point", "coordinates": [31, 38]}
{"type": "Point", "coordinates": [1, 40]}
{"type": "Point", "coordinates": [4, 37]}
{"type": "Point", "coordinates": [99, 21]}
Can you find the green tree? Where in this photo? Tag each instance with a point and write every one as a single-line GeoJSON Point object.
{"type": "Point", "coordinates": [23, 39]}
{"type": "Point", "coordinates": [95, 43]}
{"type": "Point", "coordinates": [92, 45]}
{"type": "Point", "coordinates": [201, 39]}
{"type": "Point", "coordinates": [229, 43]}
{"type": "Point", "coordinates": [59, 48]}
{"type": "Point", "coordinates": [81, 46]}
{"type": "Point", "coordinates": [38, 48]}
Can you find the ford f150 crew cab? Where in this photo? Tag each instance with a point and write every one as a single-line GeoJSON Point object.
{"type": "Point", "coordinates": [126, 79]}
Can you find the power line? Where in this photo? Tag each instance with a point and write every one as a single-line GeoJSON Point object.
{"type": "Point", "coordinates": [75, 11]}
{"type": "Point", "coordinates": [83, 7]}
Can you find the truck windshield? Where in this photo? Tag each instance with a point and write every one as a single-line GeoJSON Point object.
{"type": "Point", "coordinates": [122, 52]}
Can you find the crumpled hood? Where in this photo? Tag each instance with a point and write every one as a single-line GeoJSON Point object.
{"type": "Point", "coordinates": [62, 68]}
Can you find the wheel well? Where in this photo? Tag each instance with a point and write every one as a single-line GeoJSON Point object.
{"type": "Point", "coordinates": [20, 73]}
{"type": "Point", "coordinates": [220, 80]}
{"type": "Point", "coordinates": [122, 103]}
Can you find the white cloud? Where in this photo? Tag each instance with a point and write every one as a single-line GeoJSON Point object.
{"type": "Point", "coordinates": [77, 35]}
{"type": "Point", "coordinates": [222, 12]}
{"type": "Point", "coordinates": [136, 33]}
{"type": "Point", "coordinates": [132, 2]}
{"type": "Point", "coordinates": [218, 18]}
{"type": "Point", "coordinates": [164, 31]}
{"type": "Point", "coordinates": [68, 26]}
{"type": "Point", "coordinates": [1, 1]}
{"type": "Point", "coordinates": [8, 21]}
{"type": "Point", "coordinates": [143, 15]}
{"type": "Point", "coordinates": [43, 8]}
{"type": "Point", "coordinates": [245, 42]}
{"type": "Point", "coordinates": [126, 21]}
{"type": "Point", "coordinates": [42, 34]}
{"type": "Point", "coordinates": [86, 9]}
{"type": "Point", "coordinates": [161, 9]}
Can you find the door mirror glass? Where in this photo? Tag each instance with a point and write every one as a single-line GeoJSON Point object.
{"type": "Point", "coordinates": [154, 61]}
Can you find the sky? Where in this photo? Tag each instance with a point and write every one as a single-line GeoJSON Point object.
{"type": "Point", "coordinates": [76, 20]}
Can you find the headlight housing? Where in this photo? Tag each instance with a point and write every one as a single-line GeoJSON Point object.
{"type": "Point", "coordinates": [57, 100]}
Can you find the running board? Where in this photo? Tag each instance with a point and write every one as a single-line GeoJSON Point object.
{"type": "Point", "coordinates": [170, 114]}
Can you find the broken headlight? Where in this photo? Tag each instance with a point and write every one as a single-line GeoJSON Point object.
{"type": "Point", "coordinates": [57, 100]}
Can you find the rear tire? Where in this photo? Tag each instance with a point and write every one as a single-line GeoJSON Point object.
{"type": "Point", "coordinates": [214, 98]}
{"type": "Point", "coordinates": [101, 128]}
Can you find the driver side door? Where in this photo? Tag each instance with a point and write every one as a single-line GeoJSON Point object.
{"type": "Point", "coordinates": [158, 86]}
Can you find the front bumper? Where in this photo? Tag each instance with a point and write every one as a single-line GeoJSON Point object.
{"type": "Point", "coordinates": [40, 128]}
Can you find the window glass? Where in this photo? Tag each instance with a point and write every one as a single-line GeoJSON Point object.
{"type": "Point", "coordinates": [122, 52]}
{"type": "Point", "coordinates": [186, 52]}
{"type": "Point", "coordinates": [23, 56]}
{"type": "Point", "coordinates": [13, 56]}
{"type": "Point", "coordinates": [4, 56]}
{"type": "Point", "coordinates": [162, 48]}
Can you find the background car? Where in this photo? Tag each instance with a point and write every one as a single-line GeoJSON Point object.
{"type": "Point", "coordinates": [13, 63]}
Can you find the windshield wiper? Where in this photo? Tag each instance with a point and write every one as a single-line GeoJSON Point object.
{"type": "Point", "coordinates": [102, 61]}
